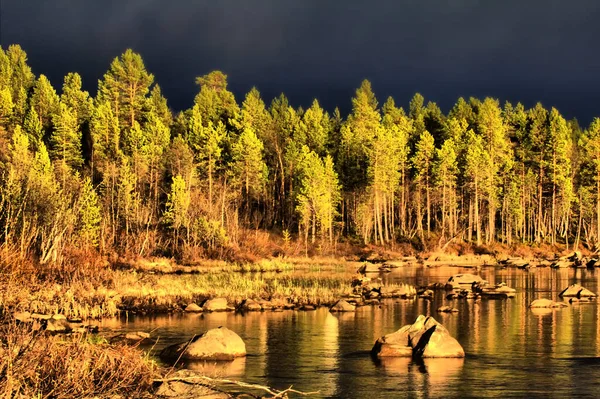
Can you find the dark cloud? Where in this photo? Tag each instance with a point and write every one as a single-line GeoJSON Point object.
{"type": "Point", "coordinates": [535, 50]}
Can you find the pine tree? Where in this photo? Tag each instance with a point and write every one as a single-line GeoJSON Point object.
{"type": "Point", "coordinates": [125, 86]}
{"type": "Point", "coordinates": [476, 163]}
{"type": "Point", "coordinates": [45, 101]}
{"type": "Point", "coordinates": [178, 204]}
{"type": "Point", "coordinates": [314, 128]}
{"type": "Point", "coordinates": [216, 103]}
{"type": "Point", "coordinates": [250, 170]}
{"type": "Point", "coordinates": [89, 212]}
{"type": "Point", "coordinates": [33, 126]}
{"type": "Point", "coordinates": [75, 98]}
{"type": "Point", "coordinates": [422, 164]}
{"type": "Point", "coordinates": [590, 143]}
{"type": "Point", "coordinates": [6, 106]}
{"type": "Point", "coordinates": [66, 139]}
{"type": "Point", "coordinates": [445, 170]}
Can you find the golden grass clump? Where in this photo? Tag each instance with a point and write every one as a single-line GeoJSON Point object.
{"type": "Point", "coordinates": [36, 365]}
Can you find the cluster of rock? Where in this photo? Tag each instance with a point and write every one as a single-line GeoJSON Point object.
{"type": "Point", "coordinates": [367, 288]}
{"type": "Point", "coordinates": [574, 259]}
{"type": "Point", "coordinates": [55, 324]}
{"type": "Point", "coordinates": [246, 305]}
{"type": "Point", "coordinates": [442, 259]}
{"type": "Point", "coordinates": [425, 338]}
{"type": "Point", "coordinates": [574, 292]}
{"type": "Point", "coordinates": [470, 286]}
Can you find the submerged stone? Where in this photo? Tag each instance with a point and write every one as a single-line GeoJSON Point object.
{"type": "Point", "coordinates": [546, 303]}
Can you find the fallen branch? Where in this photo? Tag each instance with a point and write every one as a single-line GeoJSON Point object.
{"type": "Point", "coordinates": [275, 393]}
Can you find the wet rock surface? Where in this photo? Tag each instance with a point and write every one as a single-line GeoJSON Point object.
{"type": "Point", "coordinates": [425, 338]}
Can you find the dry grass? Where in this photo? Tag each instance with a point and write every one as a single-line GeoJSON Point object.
{"type": "Point", "coordinates": [90, 289]}
{"type": "Point", "coordinates": [36, 365]}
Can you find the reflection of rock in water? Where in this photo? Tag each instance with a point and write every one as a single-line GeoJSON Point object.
{"type": "Point", "coordinates": [441, 371]}
{"type": "Point", "coordinates": [542, 311]}
{"type": "Point", "coordinates": [235, 368]}
{"type": "Point", "coordinates": [432, 376]}
{"type": "Point", "coordinates": [394, 366]}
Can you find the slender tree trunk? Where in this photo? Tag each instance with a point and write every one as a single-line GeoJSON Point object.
{"type": "Point", "coordinates": [477, 221]}
{"type": "Point", "coordinates": [210, 186]}
{"type": "Point", "coordinates": [539, 217]}
{"type": "Point", "coordinates": [428, 204]}
{"type": "Point", "coordinates": [553, 222]}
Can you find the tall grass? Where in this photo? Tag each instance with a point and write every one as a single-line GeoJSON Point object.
{"type": "Point", "coordinates": [94, 291]}
{"type": "Point", "coordinates": [36, 365]}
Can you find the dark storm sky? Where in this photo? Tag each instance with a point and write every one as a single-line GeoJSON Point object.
{"type": "Point", "coordinates": [517, 50]}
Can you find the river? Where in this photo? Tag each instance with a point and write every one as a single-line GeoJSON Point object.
{"type": "Point", "coordinates": [511, 350]}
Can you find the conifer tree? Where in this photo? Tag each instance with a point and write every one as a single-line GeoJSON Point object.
{"type": "Point", "coordinates": [45, 101]}
{"type": "Point", "coordinates": [250, 169]}
{"type": "Point", "coordinates": [66, 139]}
{"type": "Point", "coordinates": [89, 215]}
{"type": "Point", "coordinates": [125, 86]}
{"type": "Point", "coordinates": [476, 162]}
{"type": "Point", "coordinates": [77, 99]}
{"type": "Point", "coordinates": [445, 171]}
{"type": "Point", "coordinates": [217, 104]}
{"type": "Point", "coordinates": [422, 162]}
{"type": "Point", "coordinates": [33, 126]}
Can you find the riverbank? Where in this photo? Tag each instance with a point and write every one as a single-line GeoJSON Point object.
{"type": "Point", "coordinates": [94, 287]}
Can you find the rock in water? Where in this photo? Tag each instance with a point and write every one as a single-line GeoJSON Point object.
{"type": "Point", "coordinates": [216, 305]}
{"type": "Point", "coordinates": [216, 344]}
{"type": "Point", "coordinates": [58, 326]}
{"type": "Point", "coordinates": [576, 290]}
{"type": "Point", "coordinates": [193, 308]}
{"type": "Point", "coordinates": [447, 309]}
{"type": "Point", "coordinates": [546, 303]}
{"type": "Point", "coordinates": [425, 338]}
{"type": "Point", "coordinates": [342, 306]}
{"type": "Point", "coordinates": [368, 268]}
{"type": "Point", "coordinates": [250, 305]}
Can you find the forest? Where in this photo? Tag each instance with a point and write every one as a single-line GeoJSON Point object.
{"type": "Point", "coordinates": [121, 172]}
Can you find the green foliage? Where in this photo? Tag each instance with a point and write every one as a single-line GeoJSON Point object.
{"type": "Point", "coordinates": [318, 195]}
{"type": "Point", "coordinates": [212, 171]}
{"type": "Point", "coordinates": [250, 170]}
{"type": "Point", "coordinates": [45, 101]}
{"type": "Point", "coordinates": [216, 104]}
{"type": "Point", "coordinates": [75, 98]}
{"type": "Point", "coordinates": [89, 212]}
{"type": "Point", "coordinates": [65, 140]}
{"type": "Point", "coordinates": [178, 204]}
{"type": "Point", "coordinates": [125, 87]}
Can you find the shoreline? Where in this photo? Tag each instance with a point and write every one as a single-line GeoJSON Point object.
{"type": "Point", "coordinates": [160, 285]}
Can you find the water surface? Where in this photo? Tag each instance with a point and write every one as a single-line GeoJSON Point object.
{"type": "Point", "coordinates": [512, 351]}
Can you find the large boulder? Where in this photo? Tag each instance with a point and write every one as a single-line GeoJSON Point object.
{"type": "Point", "coordinates": [216, 305]}
{"type": "Point", "coordinates": [216, 344]}
{"type": "Point", "coordinates": [425, 338]}
{"type": "Point", "coordinates": [546, 304]}
{"type": "Point", "coordinates": [576, 290]}
{"type": "Point", "coordinates": [342, 306]}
